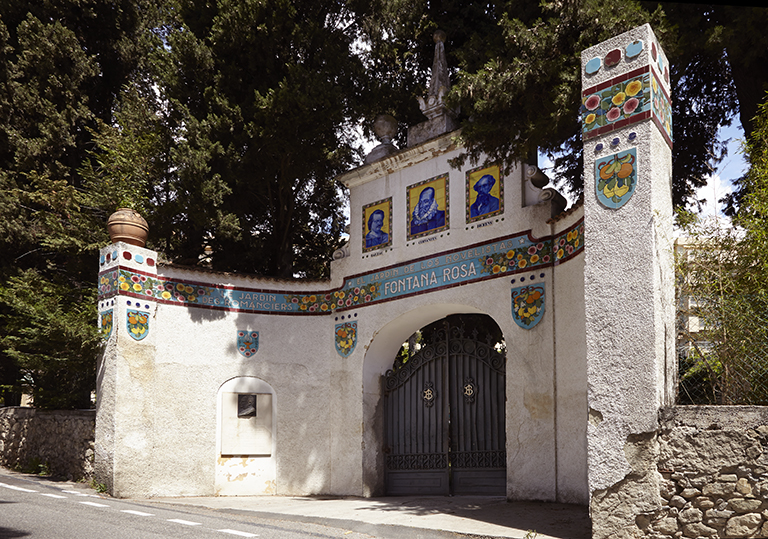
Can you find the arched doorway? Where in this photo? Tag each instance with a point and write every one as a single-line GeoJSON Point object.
{"type": "Point", "coordinates": [444, 411]}
{"type": "Point", "coordinates": [246, 464]}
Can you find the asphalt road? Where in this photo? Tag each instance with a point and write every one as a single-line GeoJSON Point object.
{"type": "Point", "coordinates": [46, 510]}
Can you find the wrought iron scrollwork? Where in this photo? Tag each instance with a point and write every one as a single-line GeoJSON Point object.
{"type": "Point", "coordinates": [479, 459]}
{"type": "Point", "coordinates": [431, 461]}
{"type": "Point", "coordinates": [424, 441]}
{"type": "Point", "coordinates": [404, 368]}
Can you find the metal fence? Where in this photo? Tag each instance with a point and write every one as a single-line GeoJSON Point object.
{"type": "Point", "coordinates": [722, 345]}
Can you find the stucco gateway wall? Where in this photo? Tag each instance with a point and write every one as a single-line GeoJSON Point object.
{"type": "Point", "coordinates": [181, 341]}
{"type": "Point", "coordinates": [703, 474]}
{"type": "Point", "coordinates": [61, 441]}
{"type": "Point", "coordinates": [159, 411]}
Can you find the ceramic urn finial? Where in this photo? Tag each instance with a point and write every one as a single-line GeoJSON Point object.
{"type": "Point", "coordinates": [127, 225]}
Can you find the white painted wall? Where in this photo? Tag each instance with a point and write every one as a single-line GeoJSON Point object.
{"type": "Point", "coordinates": [159, 398]}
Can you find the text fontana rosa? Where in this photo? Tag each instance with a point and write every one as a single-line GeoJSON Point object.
{"type": "Point", "coordinates": [429, 279]}
{"type": "Point", "coordinates": [439, 263]}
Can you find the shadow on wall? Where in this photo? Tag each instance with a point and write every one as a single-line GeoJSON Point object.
{"type": "Point", "coordinates": [9, 533]}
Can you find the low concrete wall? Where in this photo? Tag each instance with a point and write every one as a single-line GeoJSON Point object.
{"type": "Point", "coordinates": [703, 474]}
{"type": "Point", "coordinates": [59, 440]}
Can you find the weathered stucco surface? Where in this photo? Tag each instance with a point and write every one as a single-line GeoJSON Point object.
{"type": "Point", "coordinates": [158, 402]}
{"type": "Point", "coordinates": [629, 286]}
{"type": "Point", "coordinates": [629, 291]}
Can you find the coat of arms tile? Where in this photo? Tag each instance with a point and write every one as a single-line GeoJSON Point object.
{"type": "Point", "coordinates": [106, 323]}
{"type": "Point", "coordinates": [616, 178]}
{"type": "Point", "coordinates": [346, 338]}
{"type": "Point", "coordinates": [528, 305]}
{"type": "Point", "coordinates": [247, 342]}
{"type": "Point", "coordinates": [137, 323]}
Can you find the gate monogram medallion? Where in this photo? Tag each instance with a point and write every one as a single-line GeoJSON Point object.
{"type": "Point", "coordinates": [429, 394]}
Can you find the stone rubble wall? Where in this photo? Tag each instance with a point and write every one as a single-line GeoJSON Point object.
{"type": "Point", "coordinates": [704, 474]}
{"type": "Point", "coordinates": [59, 442]}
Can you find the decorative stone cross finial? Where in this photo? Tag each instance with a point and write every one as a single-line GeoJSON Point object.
{"type": "Point", "coordinates": [440, 82]}
{"type": "Point", "coordinates": [440, 118]}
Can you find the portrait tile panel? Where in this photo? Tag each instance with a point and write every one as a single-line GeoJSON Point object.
{"type": "Point", "coordinates": [377, 225]}
{"type": "Point", "coordinates": [428, 207]}
{"type": "Point", "coordinates": [484, 193]}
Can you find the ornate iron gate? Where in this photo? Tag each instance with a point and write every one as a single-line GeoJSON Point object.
{"type": "Point", "coordinates": [444, 408]}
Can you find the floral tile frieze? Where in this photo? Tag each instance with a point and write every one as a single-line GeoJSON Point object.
{"type": "Point", "coordinates": [619, 104]}
{"type": "Point", "coordinates": [624, 100]}
{"type": "Point", "coordinates": [661, 107]}
{"type": "Point", "coordinates": [512, 254]}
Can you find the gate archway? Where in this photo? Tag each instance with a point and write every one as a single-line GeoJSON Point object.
{"type": "Point", "coordinates": [445, 410]}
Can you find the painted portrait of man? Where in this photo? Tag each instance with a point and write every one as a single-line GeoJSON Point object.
{"type": "Point", "coordinates": [427, 206]}
{"type": "Point", "coordinates": [377, 225]}
{"type": "Point", "coordinates": [376, 236]}
{"type": "Point", "coordinates": [484, 193]}
{"type": "Point", "coordinates": [485, 201]}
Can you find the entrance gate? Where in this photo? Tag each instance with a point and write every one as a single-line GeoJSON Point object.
{"type": "Point", "coordinates": [444, 412]}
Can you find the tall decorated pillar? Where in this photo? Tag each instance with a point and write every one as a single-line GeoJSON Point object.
{"type": "Point", "coordinates": [126, 303]}
{"type": "Point", "coordinates": [629, 274]}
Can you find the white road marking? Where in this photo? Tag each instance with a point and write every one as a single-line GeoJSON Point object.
{"type": "Point", "coordinates": [76, 493]}
{"type": "Point", "coordinates": [186, 522]}
{"type": "Point", "coordinates": [14, 487]}
{"type": "Point", "coordinates": [94, 504]}
{"type": "Point", "coordinates": [241, 534]}
{"type": "Point", "coordinates": [137, 513]}
{"type": "Point", "coordinates": [52, 495]}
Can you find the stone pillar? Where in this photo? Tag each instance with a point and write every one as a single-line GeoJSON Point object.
{"type": "Point", "coordinates": [629, 275]}
{"type": "Point", "coordinates": [123, 426]}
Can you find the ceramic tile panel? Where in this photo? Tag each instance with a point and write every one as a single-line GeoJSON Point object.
{"type": "Point", "coordinates": [510, 255]}
{"type": "Point", "coordinates": [428, 207]}
{"type": "Point", "coordinates": [377, 225]}
{"type": "Point", "coordinates": [484, 193]}
{"type": "Point", "coordinates": [616, 178]}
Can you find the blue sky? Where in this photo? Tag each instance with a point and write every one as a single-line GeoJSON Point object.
{"type": "Point", "coordinates": [732, 167]}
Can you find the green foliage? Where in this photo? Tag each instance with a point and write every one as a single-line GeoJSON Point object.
{"type": "Point", "coordinates": [723, 294]}
{"type": "Point", "coordinates": [101, 488]}
{"type": "Point", "coordinates": [723, 321]}
{"type": "Point", "coordinates": [525, 95]}
{"type": "Point", "coordinates": [122, 165]}
{"type": "Point", "coordinates": [754, 209]}
{"type": "Point", "coordinates": [260, 131]}
{"type": "Point", "coordinates": [518, 84]}
{"type": "Point", "coordinates": [35, 466]}
{"type": "Point", "coordinates": [50, 333]}
{"type": "Point", "coordinates": [62, 66]}
{"type": "Point", "coordinates": [226, 122]}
